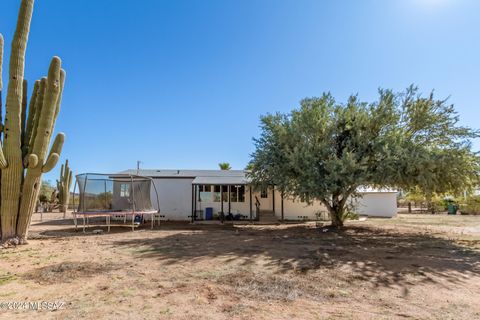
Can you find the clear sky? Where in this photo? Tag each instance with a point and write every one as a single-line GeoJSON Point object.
{"type": "Point", "coordinates": [181, 84]}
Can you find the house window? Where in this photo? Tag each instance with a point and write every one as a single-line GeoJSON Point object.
{"type": "Point", "coordinates": [205, 193]}
{"type": "Point", "coordinates": [124, 190]}
{"type": "Point", "coordinates": [237, 193]}
{"type": "Point", "coordinates": [225, 193]}
{"type": "Point", "coordinates": [264, 194]}
{"type": "Point", "coordinates": [217, 196]}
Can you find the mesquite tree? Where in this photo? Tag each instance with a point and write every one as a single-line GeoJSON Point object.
{"type": "Point", "coordinates": [27, 132]}
{"type": "Point", "coordinates": [326, 150]}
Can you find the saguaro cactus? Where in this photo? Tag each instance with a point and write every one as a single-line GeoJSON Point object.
{"type": "Point", "coordinates": [24, 157]}
{"type": "Point", "coordinates": [63, 186]}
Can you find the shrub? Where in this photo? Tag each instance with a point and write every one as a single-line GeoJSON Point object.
{"type": "Point", "coordinates": [471, 205]}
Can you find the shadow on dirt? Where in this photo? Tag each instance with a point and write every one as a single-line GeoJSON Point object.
{"type": "Point", "coordinates": [380, 257]}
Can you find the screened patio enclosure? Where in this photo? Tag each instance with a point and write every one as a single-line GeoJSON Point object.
{"type": "Point", "coordinates": [230, 198]}
{"type": "Point", "coordinates": [115, 195]}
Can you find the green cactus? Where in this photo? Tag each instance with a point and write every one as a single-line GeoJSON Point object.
{"type": "Point", "coordinates": [63, 186]}
{"type": "Point", "coordinates": [24, 156]}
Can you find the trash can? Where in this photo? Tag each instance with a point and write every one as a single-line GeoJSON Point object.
{"type": "Point", "coordinates": [208, 213]}
{"type": "Point", "coordinates": [452, 208]}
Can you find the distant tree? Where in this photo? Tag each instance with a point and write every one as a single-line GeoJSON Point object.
{"type": "Point", "coordinates": [249, 166]}
{"type": "Point", "coordinates": [46, 190]}
{"type": "Point", "coordinates": [224, 166]}
{"type": "Point", "coordinates": [326, 150]}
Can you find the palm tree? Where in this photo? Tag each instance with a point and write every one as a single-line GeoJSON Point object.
{"type": "Point", "coordinates": [224, 166]}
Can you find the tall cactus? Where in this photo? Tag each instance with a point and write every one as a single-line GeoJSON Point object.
{"type": "Point", "coordinates": [63, 186]}
{"type": "Point", "coordinates": [24, 156]}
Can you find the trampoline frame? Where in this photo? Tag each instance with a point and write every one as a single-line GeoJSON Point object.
{"type": "Point", "coordinates": [109, 214]}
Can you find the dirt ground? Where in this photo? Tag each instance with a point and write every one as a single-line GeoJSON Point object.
{"type": "Point", "coordinates": [412, 266]}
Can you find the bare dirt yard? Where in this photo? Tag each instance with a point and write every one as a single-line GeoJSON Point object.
{"type": "Point", "coordinates": [412, 266]}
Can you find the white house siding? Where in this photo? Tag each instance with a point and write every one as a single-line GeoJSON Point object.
{"type": "Point", "coordinates": [175, 196]}
{"type": "Point", "coordinates": [174, 188]}
{"type": "Point", "coordinates": [377, 204]}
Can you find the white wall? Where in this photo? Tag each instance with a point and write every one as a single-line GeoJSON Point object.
{"type": "Point", "coordinates": [375, 204]}
{"type": "Point", "coordinates": [175, 197]}
{"type": "Point", "coordinates": [380, 204]}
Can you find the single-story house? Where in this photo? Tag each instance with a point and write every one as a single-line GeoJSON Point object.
{"type": "Point", "coordinates": [205, 194]}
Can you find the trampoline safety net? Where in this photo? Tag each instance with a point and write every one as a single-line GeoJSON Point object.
{"type": "Point", "coordinates": [115, 193]}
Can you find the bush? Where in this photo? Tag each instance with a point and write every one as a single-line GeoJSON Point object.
{"type": "Point", "coordinates": [471, 205]}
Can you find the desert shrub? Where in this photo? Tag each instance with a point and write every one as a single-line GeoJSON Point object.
{"type": "Point", "coordinates": [471, 205]}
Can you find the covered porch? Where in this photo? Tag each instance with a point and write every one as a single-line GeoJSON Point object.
{"type": "Point", "coordinates": [232, 199]}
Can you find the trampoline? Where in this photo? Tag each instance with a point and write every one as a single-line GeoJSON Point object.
{"type": "Point", "coordinates": [119, 196]}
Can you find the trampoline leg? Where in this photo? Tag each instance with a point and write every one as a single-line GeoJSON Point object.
{"type": "Point", "coordinates": [75, 221]}
{"type": "Point", "coordinates": [133, 222]}
{"type": "Point", "coordinates": [124, 219]}
{"type": "Point", "coordinates": [108, 221]}
{"type": "Point", "coordinates": [152, 216]}
{"type": "Point", "coordinates": [83, 223]}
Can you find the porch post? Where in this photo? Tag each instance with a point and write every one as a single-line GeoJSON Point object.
{"type": "Point", "coordinates": [229, 198]}
{"type": "Point", "coordinates": [251, 208]}
{"type": "Point", "coordinates": [273, 199]}
{"type": "Point", "coordinates": [221, 199]}
{"type": "Point", "coordinates": [193, 186]}
{"type": "Point", "coordinates": [282, 205]}
{"type": "Point", "coordinates": [195, 202]}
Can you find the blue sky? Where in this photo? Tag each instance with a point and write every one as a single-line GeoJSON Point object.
{"type": "Point", "coordinates": [181, 84]}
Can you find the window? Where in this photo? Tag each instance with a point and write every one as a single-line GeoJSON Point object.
{"type": "Point", "coordinates": [225, 193]}
{"type": "Point", "coordinates": [205, 193]}
{"type": "Point", "coordinates": [237, 193]}
{"type": "Point", "coordinates": [124, 190]}
{"type": "Point", "coordinates": [217, 197]}
{"type": "Point", "coordinates": [264, 194]}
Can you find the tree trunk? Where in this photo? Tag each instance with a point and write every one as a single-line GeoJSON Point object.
{"type": "Point", "coordinates": [336, 217]}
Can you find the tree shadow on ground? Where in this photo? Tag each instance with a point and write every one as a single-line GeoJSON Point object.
{"type": "Point", "coordinates": [381, 257]}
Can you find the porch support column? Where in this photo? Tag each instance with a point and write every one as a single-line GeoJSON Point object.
{"type": "Point", "coordinates": [251, 208]}
{"type": "Point", "coordinates": [193, 201]}
{"type": "Point", "coordinates": [221, 199]}
{"type": "Point", "coordinates": [273, 199]}
{"type": "Point", "coordinates": [281, 206]}
{"type": "Point", "coordinates": [229, 198]}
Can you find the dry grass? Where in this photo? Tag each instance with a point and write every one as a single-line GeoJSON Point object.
{"type": "Point", "coordinates": [412, 266]}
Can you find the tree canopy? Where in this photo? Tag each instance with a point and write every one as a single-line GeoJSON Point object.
{"type": "Point", "coordinates": [224, 166]}
{"type": "Point", "coordinates": [326, 150]}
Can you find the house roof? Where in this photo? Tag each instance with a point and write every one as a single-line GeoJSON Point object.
{"type": "Point", "coordinates": [218, 177]}
{"type": "Point", "coordinates": [162, 173]}
{"type": "Point", "coordinates": [221, 180]}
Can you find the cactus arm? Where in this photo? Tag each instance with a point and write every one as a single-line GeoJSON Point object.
{"type": "Point", "coordinates": [31, 114]}
{"type": "Point", "coordinates": [69, 181]}
{"type": "Point", "coordinates": [51, 162]}
{"type": "Point", "coordinates": [62, 84]}
{"type": "Point", "coordinates": [38, 110]}
{"type": "Point", "coordinates": [31, 161]}
{"type": "Point", "coordinates": [24, 110]}
{"type": "Point", "coordinates": [47, 114]}
{"type": "Point", "coordinates": [54, 154]}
